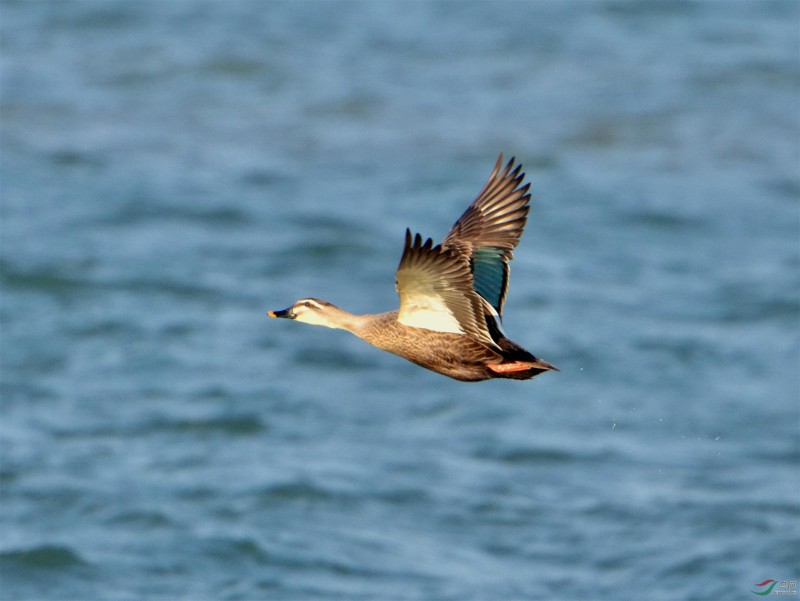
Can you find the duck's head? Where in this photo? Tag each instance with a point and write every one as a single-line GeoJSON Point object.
{"type": "Point", "coordinates": [311, 310]}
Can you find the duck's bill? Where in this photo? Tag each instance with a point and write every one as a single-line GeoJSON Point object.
{"type": "Point", "coordinates": [286, 313]}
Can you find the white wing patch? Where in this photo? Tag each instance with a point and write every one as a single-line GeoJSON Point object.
{"type": "Point", "coordinates": [430, 314]}
{"type": "Point", "coordinates": [435, 288]}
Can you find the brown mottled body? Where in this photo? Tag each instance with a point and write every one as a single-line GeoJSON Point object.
{"type": "Point", "coordinates": [453, 355]}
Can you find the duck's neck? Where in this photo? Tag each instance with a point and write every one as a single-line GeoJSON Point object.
{"type": "Point", "coordinates": [344, 320]}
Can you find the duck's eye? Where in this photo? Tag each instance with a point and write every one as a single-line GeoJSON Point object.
{"type": "Point", "coordinates": [306, 304]}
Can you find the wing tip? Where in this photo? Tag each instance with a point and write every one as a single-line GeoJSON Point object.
{"type": "Point", "coordinates": [417, 242]}
{"type": "Point", "coordinates": [499, 164]}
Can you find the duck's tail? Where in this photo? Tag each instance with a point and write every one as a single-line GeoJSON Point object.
{"type": "Point", "coordinates": [518, 364]}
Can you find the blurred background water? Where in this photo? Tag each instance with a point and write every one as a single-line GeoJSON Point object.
{"type": "Point", "coordinates": [171, 170]}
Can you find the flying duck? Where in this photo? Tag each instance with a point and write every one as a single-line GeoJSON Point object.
{"type": "Point", "coordinates": [451, 294]}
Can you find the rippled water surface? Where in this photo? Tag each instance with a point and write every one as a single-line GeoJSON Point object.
{"type": "Point", "coordinates": [171, 170]}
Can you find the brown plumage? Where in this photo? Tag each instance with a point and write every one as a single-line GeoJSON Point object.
{"type": "Point", "coordinates": [451, 294]}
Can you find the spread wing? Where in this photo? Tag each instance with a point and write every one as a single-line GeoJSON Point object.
{"type": "Point", "coordinates": [436, 292]}
{"type": "Point", "coordinates": [489, 230]}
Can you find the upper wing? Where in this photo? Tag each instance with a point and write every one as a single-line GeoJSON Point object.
{"type": "Point", "coordinates": [490, 229]}
{"type": "Point", "coordinates": [436, 293]}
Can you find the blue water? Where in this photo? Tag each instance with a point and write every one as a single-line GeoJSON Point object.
{"type": "Point", "coordinates": [172, 170]}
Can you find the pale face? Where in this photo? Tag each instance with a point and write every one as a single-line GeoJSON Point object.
{"type": "Point", "coordinates": [309, 310]}
{"type": "Point", "coordinates": [306, 310]}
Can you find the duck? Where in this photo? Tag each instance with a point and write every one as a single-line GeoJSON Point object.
{"type": "Point", "coordinates": [451, 294]}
